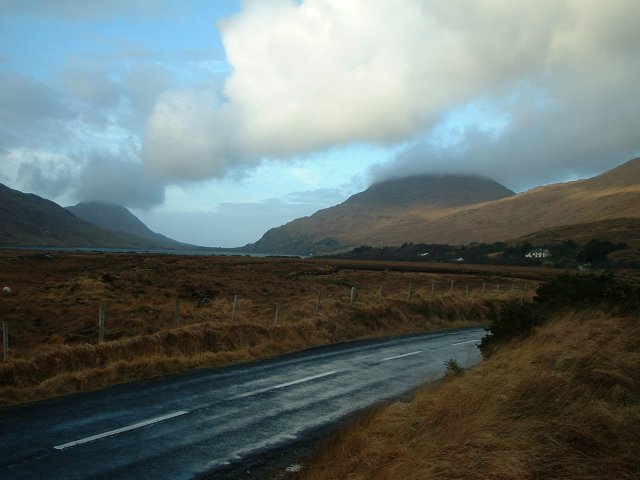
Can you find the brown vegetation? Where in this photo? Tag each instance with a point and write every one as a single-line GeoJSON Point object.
{"type": "Point", "coordinates": [53, 312]}
{"type": "Point", "coordinates": [561, 404]}
{"type": "Point", "coordinates": [614, 194]}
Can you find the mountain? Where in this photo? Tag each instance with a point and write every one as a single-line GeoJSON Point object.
{"type": "Point", "coordinates": [119, 219]}
{"type": "Point", "coordinates": [28, 220]}
{"type": "Point", "coordinates": [457, 210]}
{"type": "Point", "coordinates": [363, 217]}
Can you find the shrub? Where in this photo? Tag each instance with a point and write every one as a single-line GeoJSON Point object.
{"type": "Point", "coordinates": [453, 368]}
{"type": "Point", "coordinates": [517, 319]}
{"type": "Point", "coordinates": [586, 291]}
{"type": "Point", "coordinates": [511, 320]}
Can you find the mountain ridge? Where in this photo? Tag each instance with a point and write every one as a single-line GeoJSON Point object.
{"type": "Point", "coordinates": [612, 194]}
{"type": "Point", "coordinates": [28, 220]}
{"type": "Point", "coordinates": [118, 218]}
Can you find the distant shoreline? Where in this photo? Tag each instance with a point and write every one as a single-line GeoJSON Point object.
{"type": "Point", "coordinates": [211, 251]}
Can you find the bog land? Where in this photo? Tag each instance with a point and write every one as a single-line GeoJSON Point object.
{"type": "Point", "coordinates": [165, 314]}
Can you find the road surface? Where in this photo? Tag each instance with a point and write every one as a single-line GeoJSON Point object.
{"type": "Point", "coordinates": [188, 426]}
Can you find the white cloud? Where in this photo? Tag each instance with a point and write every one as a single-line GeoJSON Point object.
{"type": "Point", "coordinates": [187, 136]}
{"type": "Point", "coordinates": [319, 73]}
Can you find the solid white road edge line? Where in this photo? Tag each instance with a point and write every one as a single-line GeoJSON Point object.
{"type": "Point", "coordinates": [400, 356]}
{"type": "Point", "coordinates": [287, 384]}
{"type": "Point", "coordinates": [469, 341]}
{"type": "Point", "coordinates": [120, 430]}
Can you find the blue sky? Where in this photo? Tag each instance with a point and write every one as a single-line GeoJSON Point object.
{"type": "Point", "coordinates": [216, 120]}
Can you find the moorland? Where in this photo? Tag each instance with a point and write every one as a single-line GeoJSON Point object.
{"type": "Point", "coordinates": [168, 313]}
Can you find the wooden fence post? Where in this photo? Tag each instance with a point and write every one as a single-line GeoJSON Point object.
{"type": "Point", "coordinates": [410, 292]}
{"type": "Point", "coordinates": [380, 294]}
{"type": "Point", "coordinates": [433, 286]}
{"type": "Point", "coordinates": [5, 340]}
{"type": "Point", "coordinates": [318, 302]}
{"type": "Point", "coordinates": [234, 310]}
{"type": "Point", "coordinates": [277, 313]}
{"type": "Point", "coordinates": [352, 298]}
{"type": "Point", "coordinates": [466, 290]}
{"type": "Point", "coordinates": [101, 323]}
{"type": "Point", "coordinates": [484, 285]}
{"type": "Point", "coordinates": [176, 312]}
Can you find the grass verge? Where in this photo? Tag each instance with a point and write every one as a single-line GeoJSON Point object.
{"type": "Point", "coordinates": [74, 368]}
{"type": "Point", "coordinates": [562, 403]}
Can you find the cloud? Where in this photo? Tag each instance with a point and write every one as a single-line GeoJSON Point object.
{"type": "Point", "coordinates": [311, 75]}
{"type": "Point", "coordinates": [31, 112]}
{"type": "Point", "coordinates": [90, 82]}
{"type": "Point", "coordinates": [188, 137]}
{"type": "Point", "coordinates": [102, 176]}
{"type": "Point", "coordinates": [107, 178]}
{"type": "Point", "coordinates": [575, 117]}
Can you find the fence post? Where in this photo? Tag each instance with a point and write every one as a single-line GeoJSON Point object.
{"type": "Point", "coordinates": [352, 298]}
{"type": "Point", "coordinates": [466, 290]}
{"type": "Point", "coordinates": [5, 340]}
{"type": "Point", "coordinates": [433, 286]}
{"type": "Point", "coordinates": [484, 285]}
{"type": "Point", "coordinates": [380, 294]}
{"type": "Point", "coordinates": [277, 313]}
{"type": "Point", "coordinates": [318, 302]}
{"type": "Point", "coordinates": [101, 323]}
{"type": "Point", "coordinates": [497, 287]}
{"type": "Point", "coordinates": [176, 312]}
{"type": "Point", "coordinates": [410, 292]}
{"type": "Point", "coordinates": [234, 310]}
{"type": "Point", "coordinates": [451, 291]}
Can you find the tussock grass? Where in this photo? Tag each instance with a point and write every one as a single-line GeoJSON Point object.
{"type": "Point", "coordinates": [563, 403]}
{"type": "Point", "coordinates": [53, 313]}
{"type": "Point", "coordinates": [79, 367]}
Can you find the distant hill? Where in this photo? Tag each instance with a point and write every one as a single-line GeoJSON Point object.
{"type": "Point", "coordinates": [354, 221]}
{"type": "Point", "coordinates": [119, 219]}
{"type": "Point", "coordinates": [30, 220]}
{"type": "Point", "coordinates": [456, 210]}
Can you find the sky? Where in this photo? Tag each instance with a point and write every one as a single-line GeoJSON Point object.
{"type": "Point", "coordinates": [213, 121]}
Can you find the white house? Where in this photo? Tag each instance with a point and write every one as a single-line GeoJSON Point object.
{"type": "Point", "coordinates": [538, 253]}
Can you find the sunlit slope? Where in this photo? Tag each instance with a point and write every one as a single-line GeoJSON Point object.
{"type": "Point", "coordinates": [614, 194]}
{"type": "Point", "coordinates": [363, 217]}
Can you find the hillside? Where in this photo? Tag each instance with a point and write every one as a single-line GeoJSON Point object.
{"type": "Point", "coordinates": [117, 218]}
{"type": "Point", "coordinates": [615, 194]}
{"type": "Point", "coordinates": [382, 205]}
{"type": "Point", "coordinates": [621, 229]}
{"type": "Point", "coordinates": [30, 220]}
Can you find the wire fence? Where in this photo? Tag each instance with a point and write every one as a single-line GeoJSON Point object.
{"type": "Point", "coordinates": [234, 308]}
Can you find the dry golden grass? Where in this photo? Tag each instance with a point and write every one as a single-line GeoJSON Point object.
{"type": "Point", "coordinates": [562, 404]}
{"type": "Point", "coordinates": [53, 314]}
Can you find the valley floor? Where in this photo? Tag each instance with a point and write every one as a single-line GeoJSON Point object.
{"type": "Point", "coordinates": [165, 314]}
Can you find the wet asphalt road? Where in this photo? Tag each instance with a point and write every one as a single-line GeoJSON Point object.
{"type": "Point", "coordinates": [187, 426]}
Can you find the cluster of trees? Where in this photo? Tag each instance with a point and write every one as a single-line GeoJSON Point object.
{"type": "Point", "coordinates": [566, 253]}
